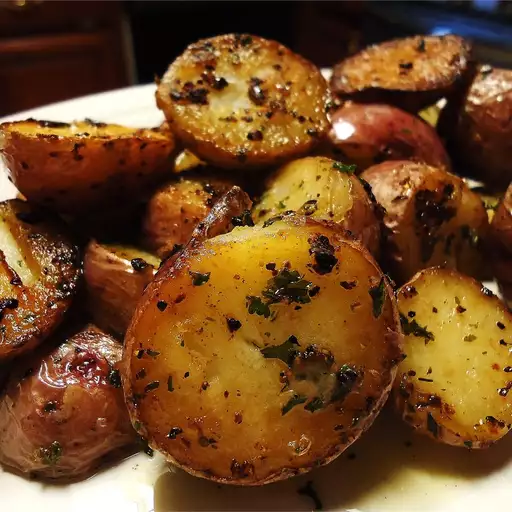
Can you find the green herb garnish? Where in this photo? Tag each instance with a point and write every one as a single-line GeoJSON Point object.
{"type": "Point", "coordinates": [285, 352]}
{"type": "Point", "coordinates": [346, 168]}
{"type": "Point", "coordinates": [50, 455]}
{"type": "Point", "coordinates": [256, 306]}
{"type": "Point", "coordinates": [294, 400]}
{"type": "Point", "coordinates": [412, 327]}
{"type": "Point", "coordinates": [378, 295]}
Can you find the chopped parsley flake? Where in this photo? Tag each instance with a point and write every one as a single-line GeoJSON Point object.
{"type": "Point", "coordinates": [285, 352]}
{"type": "Point", "coordinates": [51, 454]}
{"type": "Point", "coordinates": [346, 168]}
{"type": "Point", "coordinates": [198, 279]}
{"type": "Point", "coordinates": [412, 327]}
{"type": "Point", "coordinates": [294, 400]}
{"type": "Point", "coordinates": [378, 295]}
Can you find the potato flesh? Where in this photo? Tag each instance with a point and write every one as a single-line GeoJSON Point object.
{"type": "Point", "coordinates": [240, 406]}
{"type": "Point", "coordinates": [467, 360]}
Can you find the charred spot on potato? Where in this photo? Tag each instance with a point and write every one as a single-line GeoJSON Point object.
{"type": "Point", "coordinates": [138, 264]}
{"type": "Point", "coordinates": [244, 219]}
{"type": "Point", "coordinates": [161, 305]}
{"type": "Point", "coordinates": [151, 386]}
{"type": "Point", "coordinates": [348, 285]}
{"type": "Point", "coordinates": [114, 378]}
{"type": "Point", "coordinates": [233, 324]}
{"type": "Point", "coordinates": [378, 296]}
{"type": "Point", "coordinates": [500, 326]}
{"type": "Point", "coordinates": [175, 431]}
{"type": "Point", "coordinates": [198, 278]}
{"type": "Point", "coordinates": [50, 406]}
{"type": "Point", "coordinates": [323, 254]}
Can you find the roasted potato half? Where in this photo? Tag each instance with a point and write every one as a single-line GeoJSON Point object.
{"type": "Point", "coordinates": [63, 413]}
{"type": "Point", "coordinates": [367, 134]}
{"type": "Point", "coordinates": [454, 383]}
{"type": "Point", "coordinates": [75, 167]}
{"type": "Point", "coordinates": [411, 73]}
{"type": "Point", "coordinates": [479, 132]}
{"type": "Point", "coordinates": [323, 189]}
{"type": "Point", "coordinates": [243, 101]}
{"type": "Point", "coordinates": [432, 218]}
{"type": "Point", "coordinates": [40, 271]}
{"type": "Point", "coordinates": [176, 208]}
{"type": "Point", "coordinates": [115, 277]}
{"type": "Point", "coordinates": [263, 353]}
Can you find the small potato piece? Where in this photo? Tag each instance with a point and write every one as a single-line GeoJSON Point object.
{"type": "Point", "coordinates": [60, 415]}
{"type": "Point", "coordinates": [115, 277]}
{"type": "Point", "coordinates": [432, 218]}
{"type": "Point", "coordinates": [176, 208]}
{"type": "Point", "coordinates": [369, 134]}
{"type": "Point", "coordinates": [454, 383]}
{"type": "Point", "coordinates": [280, 340]}
{"type": "Point", "coordinates": [480, 133]}
{"type": "Point", "coordinates": [73, 167]}
{"type": "Point", "coordinates": [322, 189]}
{"type": "Point", "coordinates": [39, 275]}
{"type": "Point", "coordinates": [186, 161]}
{"type": "Point", "coordinates": [238, 100]}
{"type": "Point", "coordinates": [410, 73]}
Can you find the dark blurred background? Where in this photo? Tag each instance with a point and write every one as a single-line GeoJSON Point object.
{"type": "Point", "coordinates": [51, 51]}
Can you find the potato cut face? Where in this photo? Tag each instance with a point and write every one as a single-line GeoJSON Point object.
{"type": "Point", "coordinates": [39, 274]}
{"type": "Point", "coordinates": [252, 357]}
{"type": "Point", "coordinates": [240, 100]}
{"type": "Point", "coordinates": [322, 189]}
{"type": "Point", "coordinates": [454, 383]}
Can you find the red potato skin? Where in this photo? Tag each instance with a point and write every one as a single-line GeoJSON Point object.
{"type": "Point", "coordinates": [367, 134]}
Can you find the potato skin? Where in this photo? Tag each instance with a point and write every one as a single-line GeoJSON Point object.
{"type": "Point", "coordinates": [432, 218]}
{"type": "Point", "coordinates": [368, 134]}
{"type": "Point", "coordinates": [71, 168]}
{"type": "Point", "coordinates": [453, 386]}
{"type": "Point", "coordinates": [115, 278]}
{"type": "Point", "coordinates": [222, 411]}
{"type": "Point", "coordinates": [62, 413]}
{"type": "Point", "coordinates": [240, 101]}
{"type": "Point", "coordinates": [410, 73]}
{"type": "Point", "coordinates": [479, 132]}
{"type": "Point", "coordinates": [325, 190]}
{"type": "Point", "coordinates": [40, 270]}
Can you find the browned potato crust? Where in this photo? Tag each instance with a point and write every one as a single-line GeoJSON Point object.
{"type": "Point", "coordinates": [61, 414]}
{"type": "Point", "coordinates": [323, 189]}
{"type": "Point", "coordinates": [39, 274]}
{"type": "Point", "coordinates": [432, 218]}
{"type": "Point", "coordinates": [238, 100]}
{"type": "Point", "coordinates": [73, 167]}
{"type": "Point", "coordinates": [479, 134]}
{"type": "Point", "coordinates": [410, 73]}
{"type": "Point", "coordinates": [367, 134]}
{"type": "Point", "coordinates": [176, 208]}
{"type": "Point", "coordinates": [454, 383]}
{"type": "Point", "coordinates": [115, 277]}
{"type": "Point", "coordinates": [263, 353]}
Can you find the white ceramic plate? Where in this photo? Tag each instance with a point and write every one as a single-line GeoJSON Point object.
{"type": "Point", "coordinates": [389, 469]}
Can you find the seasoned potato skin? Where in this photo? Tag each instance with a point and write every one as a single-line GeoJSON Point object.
{"type": "Point", "coordinates": [241, 101]}
{"type": "Point", "coordinates": [368, 134]}
{"type": "Point", "coordinates": [73, 167]}
{"type": "Point", "coordinates": [453, 386]}
{"type": "Point", "coordinates": [62, 413]}
{"type": "Point", "coordinates": [410, 73]}
{"type": "Point", "coordinates": [479, 132]}
{"type": "Point", "coordinates": [177, 207]}
{"type": "Point", "coordinates": [40, 270]}
{"type": "Point", "coordinates": [222, 411]}
{"type": "Point", "coordinates": [325, 190]}
{"type": "Point", "coordinates": [432, 218]}
{"type": "Point", "coordinates": [115, 277]}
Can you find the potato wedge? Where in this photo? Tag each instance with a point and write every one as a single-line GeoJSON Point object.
{"type": "Point", "coordinates": [243, 101]}
{"type": "Point", "coordinates": [454, 383]}
{"type": "Point", "coordinates": [322, 189]}
{"type": "Point", "coordinates": [432, 218]}
{"type": "Point", "coordinates": [115, 277]}
{"type": "Point", "coordinates": [73, 167]}
{"type": "Point", "coordinates": [40, 271]}
{"type": "Point", "coordinates": [367, 134]}
{"type": "Point", "coordinates": [410, 73]}
{"type": "Point", "coordinates": [177, 207]}
{"type": "Point", "coordinates": [62, 413]}
{"type": "Point", "coordinates": [235, 367]}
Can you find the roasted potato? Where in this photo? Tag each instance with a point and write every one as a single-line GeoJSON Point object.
{"type": "Point", "coordinates": [186, 161]}
{"type": "Point", "coordinates": [115, 277]}
{"type": "Point", "coordinates": [479, 132]}
{"type": "Point", "coordinates": [242, 101]}
{"type": "Point", "coordinates": [262, 353]}
{"type": "Point", "coordinates": [40, 271]}
{"type": "Point", "coordinates": [410, 73]}
{"type": "Point", "coordinates": [453, 384]}
{"type": "Point", "coordinates": [74, 167]}
{"type": "Point", "coordinates": [432, 218]}
{"type": "Point", "coordinates": [177, 207]}
{"type": "Point", "coordinates": [500, 241]}
{"type": "Point", "coordinates": [369, 134]}
{"type": "Point", "coordinates": [322, 189]}
{"type": "Point", "coordinates": [62, 413]}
